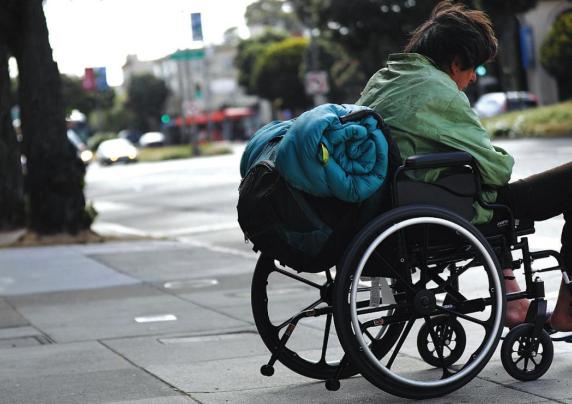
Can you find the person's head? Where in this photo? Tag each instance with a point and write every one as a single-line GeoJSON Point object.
{"type": "Point", "coordinates": [456, 39]}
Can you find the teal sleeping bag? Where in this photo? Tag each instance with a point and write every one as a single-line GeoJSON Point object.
{"type": "Point", "coordinates": [326, 158]}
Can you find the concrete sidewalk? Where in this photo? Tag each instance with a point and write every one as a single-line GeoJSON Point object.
{"type": "Point", "coordinates": [170, 322]}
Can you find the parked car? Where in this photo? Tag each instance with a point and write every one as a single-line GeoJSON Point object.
{"type": "Point", "coordinates": [152, 139]}
{"type": "Point", "coordinates": [116, 150]}
{"type": "Point", "coordinates": [492, 104]}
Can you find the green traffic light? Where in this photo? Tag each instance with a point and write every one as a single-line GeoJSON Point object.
{"type": "Point", "coordinates": [165, 118]}
{"type": "Point", "coordinates": [481, 70]}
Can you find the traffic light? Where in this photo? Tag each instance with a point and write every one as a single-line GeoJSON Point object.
{"type": "Point", "coordinates": [198, 91]}
{"type": "Point", "coordinates": [481, 71]}
{"type": "Point", "coordinates": [165, 119]}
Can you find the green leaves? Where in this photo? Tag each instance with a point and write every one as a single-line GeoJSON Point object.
{"type": "Point", "coordinates": [146, 96]}
{"type": "Point", "coordinates": [556, 50]}
{"type": "Point", "coordinates": [277, 76]}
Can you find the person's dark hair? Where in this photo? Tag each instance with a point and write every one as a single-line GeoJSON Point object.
{"type": "Point", "coordinates": [455, 31]}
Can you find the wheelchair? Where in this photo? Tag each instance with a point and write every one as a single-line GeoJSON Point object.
{"type": "Point", "coordinates": [417, 299]}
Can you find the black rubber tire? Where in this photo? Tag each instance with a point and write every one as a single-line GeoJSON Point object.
{"type": "Point", "coordinates": [342, 311]}
{"type": "Point", "coordinates": [454, 332]}
{"type": "Point", "coordinates": [522, 335]}
{"type": "Point", "coordinates": [270, 333]}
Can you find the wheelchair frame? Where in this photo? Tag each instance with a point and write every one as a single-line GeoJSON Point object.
{"type": "Point", "coordinates": [529, 338]}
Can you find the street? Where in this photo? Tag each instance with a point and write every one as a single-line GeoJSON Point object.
{"type": "Point", "coordinates": [172, 199]}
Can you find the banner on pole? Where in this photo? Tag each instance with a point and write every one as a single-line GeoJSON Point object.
{"type": "Point", "coordinates": [197, 26]}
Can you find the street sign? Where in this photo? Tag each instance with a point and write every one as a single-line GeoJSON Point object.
{"type": "Point", "coordinates": [95, 78]}
{"type": "Point", "coordinates": [89, 79]}
{"type": "Point", "coordinates": [100, 78]}
{"type": "Point", "coordinates": [188, 54]}
{"type": "Point", "coordinates": [316, 83]}
{"type": "Point", "coordinates": [197, 26]}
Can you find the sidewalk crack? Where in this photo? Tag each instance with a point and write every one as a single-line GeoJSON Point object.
{"type": "Point", "coordinates": [172, 386]}
{"type": "Point", "coordinates": [521, 391]}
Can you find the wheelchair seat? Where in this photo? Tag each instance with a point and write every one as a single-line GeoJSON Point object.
{"type": "Point", "coordinates": [500, 223]}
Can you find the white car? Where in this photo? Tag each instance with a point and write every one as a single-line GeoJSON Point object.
{"type": "Point", "coordinates": [152, 139]}
{"type": "Point", "coordinates": [492, 104]}
{"type": "Point", "coordinates": [116, 150]}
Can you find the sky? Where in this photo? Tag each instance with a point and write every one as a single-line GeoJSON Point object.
{"type": "Point", "coordinates": [101, 33]}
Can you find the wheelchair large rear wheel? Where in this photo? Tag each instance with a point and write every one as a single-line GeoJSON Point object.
{"type": "Point", "coordinates": [297, 304]}
{"type": "Point", "coordinates": [442, 271]}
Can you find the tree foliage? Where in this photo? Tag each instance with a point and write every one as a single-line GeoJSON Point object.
{"type": "Point", "coordinates": [556, 50]}
{"type": "Point", "coordinates": [76, 97]}
{"type": "Point", "coordinates": [248, 51]}
{"type": "Point", "coordinates": [277, 73]}
{"type": "Point", "coordinates": [368, 30]}
{"type": "Point", "coordinates": [556, 53]}
{"type": "Point", "coordinates": [272, 13]}
{"type": "Point", "coordinates": [146, 96]}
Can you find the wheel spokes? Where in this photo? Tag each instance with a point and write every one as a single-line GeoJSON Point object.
{"type": "Point", "coordinates": [326, 337]}
{"type": "Point", "coordinates": [402, 338]}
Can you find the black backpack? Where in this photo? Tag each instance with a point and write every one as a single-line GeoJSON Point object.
{"type": "Point", "coordinates": [299, 230]}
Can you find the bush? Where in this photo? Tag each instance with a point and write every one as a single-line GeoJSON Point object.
{"type": "Point", "coordinates": [556, 50]}
{"type": "Point", "coordinates": [556, 53]}
{"type": "Point", "coordinates": [553, 120]}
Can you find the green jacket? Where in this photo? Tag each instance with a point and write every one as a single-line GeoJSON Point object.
{"type": "Point", "coordinates": [427, 113]}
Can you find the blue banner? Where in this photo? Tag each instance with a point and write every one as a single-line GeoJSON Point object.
{"type": "Point", "coordinates": [197, 26]}
{"type": "Point", "coordinates": [527, 47]}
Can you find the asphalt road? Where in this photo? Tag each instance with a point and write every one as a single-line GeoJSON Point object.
{"type": "Point", "coordinates": [173, 199]}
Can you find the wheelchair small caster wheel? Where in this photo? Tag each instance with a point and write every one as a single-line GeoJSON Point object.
{"type": "Point", "coordinates": [267, 370]}
{"type": "Point", "coordinates": [524, 356]}
{"type": "Point", "coordinates": [332, 384]}
{"type": "Point", "coordinates": [451, 337]}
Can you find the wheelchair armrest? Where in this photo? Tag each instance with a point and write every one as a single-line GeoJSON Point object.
{"type": "Point", "coordinates": [435, 160]}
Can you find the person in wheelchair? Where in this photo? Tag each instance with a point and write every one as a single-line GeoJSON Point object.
{"type": "Point", "coordinates": [420, 96]}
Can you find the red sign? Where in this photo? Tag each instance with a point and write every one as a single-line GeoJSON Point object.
{"type": "Point", "coordinates": [89, 80]}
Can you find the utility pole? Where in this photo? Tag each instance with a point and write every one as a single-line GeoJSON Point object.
{"type": "Point", "coordinates": [197, 36]}
{"type": "Point", "coordinates": [189, 109]}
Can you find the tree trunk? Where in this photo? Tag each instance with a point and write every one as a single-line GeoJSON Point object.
{"type": "Point", "coordinates": [55, 173]}
{"type": "Point", "coordinates": [11, 192]}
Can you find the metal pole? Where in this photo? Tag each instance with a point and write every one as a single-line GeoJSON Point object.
{"type": "Point", "coordinates": [193, 132]}
{"type": "Point", "coordinates": [207, 92]}
{"type": "Point", "coordinates": [183, 97]}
